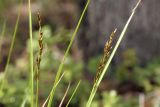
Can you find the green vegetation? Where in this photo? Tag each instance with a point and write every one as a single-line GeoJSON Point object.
{"type": "Point", "coordinates": [10, 50]}
{"type": "Point", "coordinates": [66, 53]}
{"type": "Point", "coordinates": [96, 84]}
{"type": "Point", "coordinates": [28, 80]}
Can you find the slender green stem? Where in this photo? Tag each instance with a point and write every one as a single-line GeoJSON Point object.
{"type": "Point", "coordinates": [24, 102]}
{"type": "Point", "coordinates": [95, 86]}
{"type": "Point", "coordinates": [31, 56]}
{"type": "Point", "coordinates": [54, 87]}
{"type": "Point", "coordinates": [2, 35]}
{"type": "Point", "coordinates": [66, 53]}
{"type": "Point", "coordinates": [65, 94]}
{"type": "Point", "coordinates": [73, 93]}
{"type": "Point", "coordinates": [37, 91]}
{"type": "Point", "coordinates": [11, 47]}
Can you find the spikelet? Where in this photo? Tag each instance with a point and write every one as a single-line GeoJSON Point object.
{"type": "Point", "coordinates": [40, 41]}
{"type": "Point", "coordinates": [38, 61]}
{"type": "Point", "coordinates": [107, 50]}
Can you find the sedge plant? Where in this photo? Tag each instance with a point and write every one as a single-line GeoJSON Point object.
{"type": "Point", "coordinates": [65, 55]}
{"type": "Point", "coordinates": [59, 74]}
{"type": "Point", "coordinates": [97, 83]}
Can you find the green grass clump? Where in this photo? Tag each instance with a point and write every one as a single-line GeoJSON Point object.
{"type": "Point", "coordinates": [11, 47]}
{"type": "Point", "coordinates": [30, 95]}
{"type": "Point", "coordinates": [66, 53]}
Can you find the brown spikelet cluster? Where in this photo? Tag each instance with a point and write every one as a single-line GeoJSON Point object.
{"type": "Point", "coordinates": [40, 41]}
{"type": "Point", "coordinates": [107, 50]}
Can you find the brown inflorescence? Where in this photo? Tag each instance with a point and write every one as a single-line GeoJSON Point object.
{"type": "Point", "coordinates": [40, 41]}
{"type": "Point", "coordinates": [107, 51]}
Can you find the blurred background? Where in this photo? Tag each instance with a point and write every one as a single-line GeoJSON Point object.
{"type": "Point", "coordinates": [133, 79]}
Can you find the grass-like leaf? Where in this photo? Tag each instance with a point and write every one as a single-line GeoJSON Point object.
{"type": "Point", "coordinates": [73, 93]}
{"type": "Point", "coordinates": [11, 47]}
{"type": "Point", "coordinates": [64, 96]}
{"type": "Point", "coordinates": [2, 36]}
{"type": "Point", "coordinates": [53, 87]}
{"type": "Point", "coordinates": [66, 53]}
{"type": "Point", "coordinates": [24, 101]}
{"type": "Point", "coordinates": [31, 84]}
{"type": "Point", "coordinates": [95, 86]}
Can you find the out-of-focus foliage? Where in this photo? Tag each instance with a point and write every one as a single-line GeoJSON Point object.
{"type": "Point", "coordinates": [129, 70]}
{"type": "Point", "coordinates": [14, 87]}
{"type": "Point", "coordinates": [7, 3]}
{"type": "Point", "coordinates": [112, 99]}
